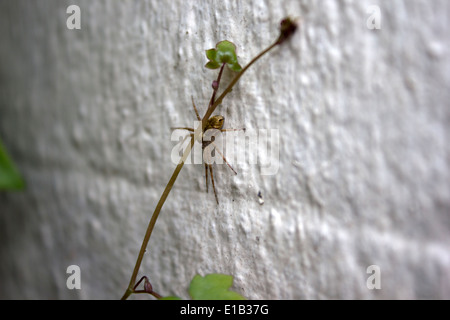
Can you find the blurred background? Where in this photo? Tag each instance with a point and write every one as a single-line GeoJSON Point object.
{"type": "Point", "coordinates": [359, 97]}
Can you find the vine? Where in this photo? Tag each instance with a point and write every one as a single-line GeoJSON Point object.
{"type": "Point", "coordinates": [211, 286]}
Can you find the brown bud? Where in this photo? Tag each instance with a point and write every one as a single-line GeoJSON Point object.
{"type": "Point", "coordinates": [147, 286]}
{"type": "Point", "coordinates": [287, 29]}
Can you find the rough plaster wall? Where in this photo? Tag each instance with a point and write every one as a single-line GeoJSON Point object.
{"type": "Point", "coordinates": [364, 161]}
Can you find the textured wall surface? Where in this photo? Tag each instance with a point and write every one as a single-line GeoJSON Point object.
{"type": "Point", "coordinates": [363, 121]}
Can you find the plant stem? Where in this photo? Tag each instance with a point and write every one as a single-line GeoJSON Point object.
{"type": "Point", "coordinates": [236, 79]}
{"type": "Point", "coordinates": [197, 134]}
{"type": "Point", "coordinates": [217, 84]}
{"type": "Point", "coordinates": [155, 215]}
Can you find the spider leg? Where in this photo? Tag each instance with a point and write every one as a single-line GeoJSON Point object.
{"type": "Point", "coordinates": [223, 157]}
{"type": "Point", "coordinates": [191, 135]}
{"type": "Point", "coordinates": [182, 128]}
{"type": "Point", "coordinates": [195, 109]}
{"type": "Point", "coordinates": [225, 130]}
{"type": "Point", "coordinates": [206, 176]}
{"type": "Point", "coordinates": [212, 180]}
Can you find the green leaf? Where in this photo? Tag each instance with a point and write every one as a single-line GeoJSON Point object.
{"type": "Point", "coordinates": [213, 287]}
{"type": "Point", "coordinates": [235, 67]}
{"type": "Point", "coordinates": [170, 298]}
{"type": "Point", "coordinates": [10, 178]}
{"type": "Point", "coordinates": [225, 52]}
{"type": "Point", "coordinates": [212, 65]}
{"type": "Point", "coordinates": [211, 54]}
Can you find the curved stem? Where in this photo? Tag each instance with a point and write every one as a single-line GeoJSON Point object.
{"type": "Point", "coordinates": [155, 215]}
{"type": "Point", "coordinates": [213, 98]}
{"type": "Point", "coordinates": [177, 170]}
{"type": "Point", "coordinates": [236, 79]}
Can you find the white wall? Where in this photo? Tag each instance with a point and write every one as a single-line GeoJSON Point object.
{"type": "Point", "coordinates": [363, 120]}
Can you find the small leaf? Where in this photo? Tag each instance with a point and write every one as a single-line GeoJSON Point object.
{"type": "Point", "coordinates": [213, 287]}
{"type": "Point", "coordinates": [211, 54]}
{"type": "Point", "coordinates": [225, 52]}
{"type": "Point", "coordinates": [170, 298]}
{"type": "Point", "coordinates": [10, 178]}
{"type": "Point", "coordinates": [235, 67]}
{"type": "Point", "coordinates": [212, 65]}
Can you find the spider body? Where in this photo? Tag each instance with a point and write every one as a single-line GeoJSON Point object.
{"type": "Point", "coordinates": [215, 122]}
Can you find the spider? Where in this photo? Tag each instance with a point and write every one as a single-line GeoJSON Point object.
{"type": "Point", "coordinates": [215, 122]}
